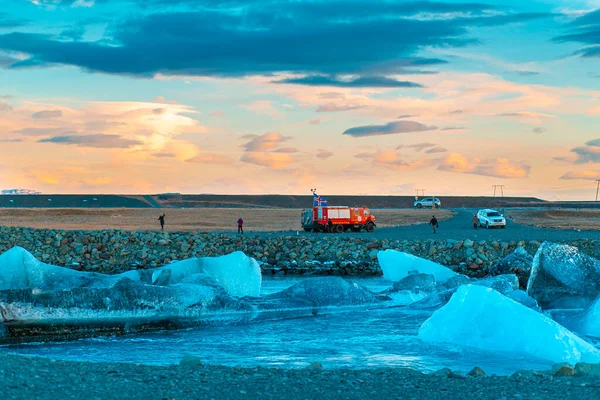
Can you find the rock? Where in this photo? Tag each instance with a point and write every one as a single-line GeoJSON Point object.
{"type": "Point", "coordinates": [518, 262]}
{"type": "Point", "coordinates": [562, 370]}
{"type": "Point", "coordinates": [563, 277]}
{"type": "Point", "coordinates": [585, 369]}
{"type": "Point", "coordinates": [468, 243]}
{"type": "Point", "coordinates": [190, 361]}
{"type": "Point", "coordinates": [445, 372]}
{"type": "Point", "coordinates": [316, 366]}
{"type": "Point", "coordinates": [476, 372]}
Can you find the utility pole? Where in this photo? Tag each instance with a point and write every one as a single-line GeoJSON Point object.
{"type": "Point", "coordinates": [597, 188]}
{"type": "Point", "coordinates": [420, 192]}
{"type": "Point", "coordinates": [500, 188]}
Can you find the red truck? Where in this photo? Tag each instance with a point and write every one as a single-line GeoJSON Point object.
{"type": "Point", "coordinates": [338, 219]}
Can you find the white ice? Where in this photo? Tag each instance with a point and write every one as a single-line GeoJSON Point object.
{"type": "Point", "coordinates": [238, 274]}
{"type": "Point", "coordinates": [397, 265]}
{"type": "Point", "coordinates": [482, 318]}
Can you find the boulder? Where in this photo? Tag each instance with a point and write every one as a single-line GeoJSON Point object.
{"type": "Point", "coordinates": [563, 277]}
{"type": "Point", "coordinates": [518, 262]}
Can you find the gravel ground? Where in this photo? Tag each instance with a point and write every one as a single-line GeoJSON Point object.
{"type": "Point", "coordinates": [188, 219]}
{"type": "Point", "coordinates": [39, 378]}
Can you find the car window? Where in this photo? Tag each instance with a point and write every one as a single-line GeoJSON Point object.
{"type": "Point", "coordinates": [493, 214]}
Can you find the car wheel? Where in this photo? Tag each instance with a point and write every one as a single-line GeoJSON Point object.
{"type": "Point", "coordinates": [419, 205]}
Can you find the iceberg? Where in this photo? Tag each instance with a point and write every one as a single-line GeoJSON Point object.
{"type": "Point", "coordinates": [239, 274]}
{"type": "Point", "coordinates": [325, 292]}
{"type": "Point", "coordinates": [397, 265]}
{"type": "Point", "coordinates": [585, 322]}
{"type": "Point", "coordinates": [482, 318]}
{"type": "Point", "coordinates": [504, 284]}
{"type": "Point", "coordinates": [411, 289]}
{"type": "Point", "coordinates": [518, 262]}
{"type": "Point", "coordinates": [562, 276]}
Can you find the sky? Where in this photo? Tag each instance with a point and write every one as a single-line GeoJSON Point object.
{"type": "Point", "coordinates": [373, 97]}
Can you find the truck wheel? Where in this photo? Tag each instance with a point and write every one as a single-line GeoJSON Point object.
{"type": "Point", "coordinates": [370, 227]}
{"type": "Point", "coordinates": [308, 229]}
{"type": "Point", "coordinates": [339, 229]}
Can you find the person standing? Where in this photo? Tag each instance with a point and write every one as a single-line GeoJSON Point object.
{"type": "Point", "coordinates": [475, 221]}
{"type": "Point", "coordinates": [240, 223]}
{"type": "Point", "coordinates": [434, 223]}
{"type": "Point", "coordinates": [161, 219]}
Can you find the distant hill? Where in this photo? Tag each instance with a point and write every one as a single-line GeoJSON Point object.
{"type": "Point", "coordinates": [264, 201]}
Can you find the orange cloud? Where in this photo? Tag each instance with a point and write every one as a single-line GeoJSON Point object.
{"type": "Point", "coordinates": [270, 160]}
{"type": "Point", "coordinates": [499, 167]}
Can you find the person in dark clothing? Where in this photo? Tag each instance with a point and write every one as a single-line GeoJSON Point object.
{"type": "Point", "coordinates": [475, 221]}
{"type": "Point", "coordinates": [434, 223]}
{"type": "Point", "coordinates": [240, 223]}
{"type": "Point", "coordinates": [161, 219]}
{"type": "Point", "coordinates": [329, 225]}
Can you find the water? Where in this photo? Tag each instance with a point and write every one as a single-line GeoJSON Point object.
{"type": "Point", "coordinates": [367, 338]}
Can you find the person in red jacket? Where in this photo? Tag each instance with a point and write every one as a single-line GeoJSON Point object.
{"type": "Point", "coordinates": [240, 222]}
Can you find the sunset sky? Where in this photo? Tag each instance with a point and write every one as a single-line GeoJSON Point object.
{"type": "Point", "coordinates": [260, 96]}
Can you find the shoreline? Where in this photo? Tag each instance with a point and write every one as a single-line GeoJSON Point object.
{"type": "Point", "coordinates": [35, 377]}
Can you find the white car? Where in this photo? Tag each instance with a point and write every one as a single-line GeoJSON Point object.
{"type": "Point", "coordinates": [491, 218]}
{"type": "Point", "coordinates": [427, 202]}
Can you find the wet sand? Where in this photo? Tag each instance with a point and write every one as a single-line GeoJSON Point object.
{"type": "Point", "coordinates": [39, 378]}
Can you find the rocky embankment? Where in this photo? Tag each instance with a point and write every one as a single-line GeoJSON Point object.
{"type": "Point", "coordinates": [115, 251]}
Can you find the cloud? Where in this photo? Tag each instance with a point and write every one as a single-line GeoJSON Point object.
{"type": "Point", "coordinates": [406, 116]}
{"type": "Point", "coordinates": [265, 142]}
{"type": "Point", "coordinates": [332, 107]}
{"type": "Point", "coordinates": [539, 130]}
{"type": "Point", "coordinates": [499, 167]}
{"type": "Point", "coordinates": [7, 21]}
{"type": "Point", "coordinates": [332, 95]}
{"type": "Point", "coordinates": [362, 82]}
{"type": "Point", "coordinates": [263, 107]}
{"type": "Point", "coordinates": [11, 140]}
{"type": "Point", "coordinates": [587, 154]}
{"type": "Point", "coordinates": [39, 131]}
{"type": "Point", "coordinates": [314, 38]}
{"type": "Point", "coordinates": [453, 128]}
{"type": "Point", "coordinates": [163, 155]}
{"type": "Point", "coordinates": [211, 158]}
{"type": "Point", "coordinates": [420, 146]}
{"type": "Point", "coordinates": [526, 114]}
{"type": "Point", "coordinates": [288, 150]}
{"type": "Point", "coordinates": [95, 141]}
{"type": "Point", "coordinates": [270, 160]}
{"type": "Point", "coordinates": [47, 114]}
{"type": "Point", "coordinates": [315, 121]}
{"type": "Point", "coordinates": [593, 143]}
{"type": "Point", "coordinates": [388, 129]}
{"type": "Point", "coordinates": [435, 150]}
{"type": "Point", "coordinates": [582, 174]}
{"type": "Point", "coordinates": [216, 113]}
{"type": "Point", "coordinates": [324, 154]}
{"type": "Point", "coordinates": [586, 31]}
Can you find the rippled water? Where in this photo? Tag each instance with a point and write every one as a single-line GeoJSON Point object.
{"type": "Point", "coordinates": [365, 338]}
